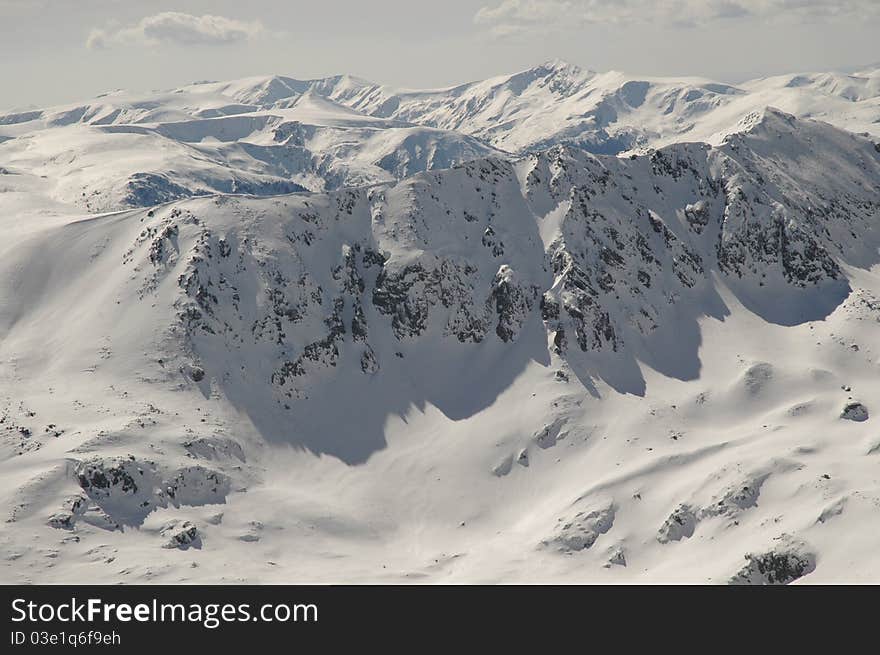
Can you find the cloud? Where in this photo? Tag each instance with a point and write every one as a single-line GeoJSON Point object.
{"type": "Point", "coordinates": [511, 17]}
{"type": "Point", "coordinates": [173, 27]}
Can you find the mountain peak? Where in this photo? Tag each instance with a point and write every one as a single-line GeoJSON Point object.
{"type": "Point", "coordinates": [559, 64]}
{"type": "Point", "coordinates": [768, 117]}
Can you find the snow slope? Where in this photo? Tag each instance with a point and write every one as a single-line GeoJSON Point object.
{"type": "Point", "coordinates": [566, 368]}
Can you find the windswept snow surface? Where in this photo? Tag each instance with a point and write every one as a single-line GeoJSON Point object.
{"type": "Point", "coordinates": [555, 367]}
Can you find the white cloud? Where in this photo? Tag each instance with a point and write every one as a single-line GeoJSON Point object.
{"type": "Point", "coordinates": [173, 27]}
{"type": "Point", "coordinates": [509, 17]}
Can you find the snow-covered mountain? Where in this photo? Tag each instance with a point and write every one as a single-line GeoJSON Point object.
{"type": "Point", "coordinates": [125, 150]}
{"type": "Point", "coordinates": [614, 112]}
{"type": "Point", "coordinates": [271, 135]}
{"type": "Point", "coordinates": [559, 366]}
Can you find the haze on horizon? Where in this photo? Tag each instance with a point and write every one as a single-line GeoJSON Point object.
{"type": "Point", "coordinates": [58, 51]}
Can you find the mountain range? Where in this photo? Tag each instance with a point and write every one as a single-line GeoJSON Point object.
{"type": "Point", "coordinates": [554, 326]}
{"type": "Point", "coordinates": [271, 135]}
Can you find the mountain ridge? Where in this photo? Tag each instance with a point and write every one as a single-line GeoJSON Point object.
{"type": "Point", "coordinates": [562, 366]}
{"type": "Point", "coordinates": [218, 136]}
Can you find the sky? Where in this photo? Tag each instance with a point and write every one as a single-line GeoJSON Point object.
{"type": "Point", "coordinates": [58, 51]}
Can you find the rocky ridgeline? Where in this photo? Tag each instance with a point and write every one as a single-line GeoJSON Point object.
{"type": "Point", "coordinates": [603, 250]}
